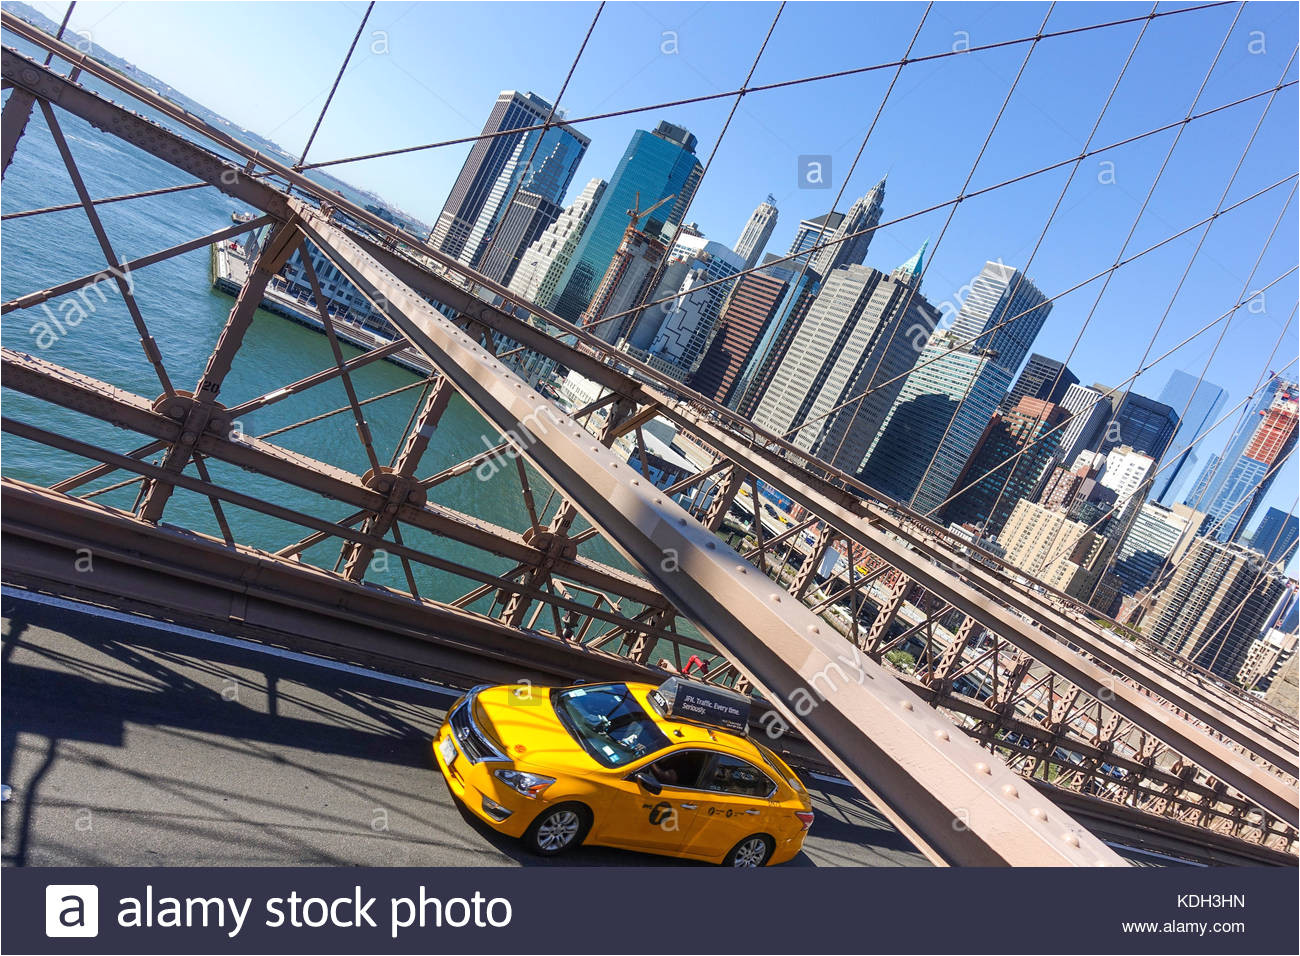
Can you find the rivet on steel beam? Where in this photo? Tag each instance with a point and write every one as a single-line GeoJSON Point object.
{"type": "Point", "coordinates": [906, 705]}
{"type": "Point", "coordinates": [1071, 839]}
{"type": "Point", "coordinates": [1038, 813]}
{"type": "Point", "coordinates": [776, 598]}
{"type": "Point", "coordinates": [712, 546]}
{"type": "Point", "coordinates": [1010, 791]}
{"type": "Point", "coordinates": [682, 522]}
{"type": "Point", "coordinates": [814, 629]}
{"type": "Point", "coordinates": [742, 569]}
{"type": "Point", "coordinates": [983, 768]}
{"type": "Point", "coordinates": [941, 734]}
{"type": "Point", "coordinates": [636, 481]}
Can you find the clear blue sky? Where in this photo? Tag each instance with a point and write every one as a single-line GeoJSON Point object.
{"type": "Point", "coordinates": [430, 71]}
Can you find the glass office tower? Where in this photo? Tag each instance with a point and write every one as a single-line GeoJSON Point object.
{"type": "Point", "coordinates": [498, 166]}
{"type": "Point", "coordinates": [1198, 408]}
{"type": "Point", "coordinates": [656, 165]}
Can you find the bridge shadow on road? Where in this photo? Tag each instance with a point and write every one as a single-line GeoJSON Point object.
{"type": "Point", "coordinates": [129, 745]}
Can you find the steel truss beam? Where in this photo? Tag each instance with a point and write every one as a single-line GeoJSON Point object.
{"type": "Point", "coordinates": [53, 383]}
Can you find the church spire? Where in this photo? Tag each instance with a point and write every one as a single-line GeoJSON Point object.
{"type": "Point", "coordinates": [910, 271]}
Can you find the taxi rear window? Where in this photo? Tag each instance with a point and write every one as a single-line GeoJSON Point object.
{"type": "Point", "coordinates": [608, 722]}
{"type": "Point", "coordinates": [780, 766]}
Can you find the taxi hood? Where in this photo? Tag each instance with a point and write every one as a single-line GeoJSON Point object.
{"type": "Point", "coordinates": [521, 719]}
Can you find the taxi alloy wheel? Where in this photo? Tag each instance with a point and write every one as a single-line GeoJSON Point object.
{"type": "Point", "coordinates": [558, 829]}
{"type": "Point", "coordinates": [750, 852]}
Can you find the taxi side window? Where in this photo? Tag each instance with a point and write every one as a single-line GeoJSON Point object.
{"type": "Point", "coordinates": [682, 769]}
{"type": "Point", "coordinates": [733, 775]}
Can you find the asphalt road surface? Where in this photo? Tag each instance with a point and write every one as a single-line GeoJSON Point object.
{"type": "Point", "coordinates": [126, 745]}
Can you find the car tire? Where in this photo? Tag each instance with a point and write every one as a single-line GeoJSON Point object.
{"type": "Point", "coordinates": [753, 851]}
{"type": "Point", "coordinates": [558, 829]}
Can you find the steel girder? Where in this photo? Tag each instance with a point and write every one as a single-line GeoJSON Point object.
{"type": "Point", "coordinates": [47, 381]}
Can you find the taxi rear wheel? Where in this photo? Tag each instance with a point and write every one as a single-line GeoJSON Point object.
{"type": "Point", "coordinates": [753, 851]}
{"type": "Point", "coordinates": [558, 829]}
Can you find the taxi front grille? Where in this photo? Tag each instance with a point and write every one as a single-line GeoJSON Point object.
{"type": "Point", "coordinates": [468, 737]}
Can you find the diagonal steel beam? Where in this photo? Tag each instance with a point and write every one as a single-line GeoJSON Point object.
{"type": "Point", "coordinates": [13, 123]}
{"type": "Point", "coordinates": [200, 410]}
{"type": "Point", "coordinates": [398, 482]}
{"type": "Point", "coordinates": [124, 287]}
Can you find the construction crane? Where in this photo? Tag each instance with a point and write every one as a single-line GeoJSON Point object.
{"type": "Point", "coordinates": [636, 213]}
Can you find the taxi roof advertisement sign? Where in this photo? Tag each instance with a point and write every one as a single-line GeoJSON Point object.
{"type": "Point", "coordinates": [691, 700]}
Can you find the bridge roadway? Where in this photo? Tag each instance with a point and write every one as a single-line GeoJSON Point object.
{"type": "Point", "coordinates": [129, 745]}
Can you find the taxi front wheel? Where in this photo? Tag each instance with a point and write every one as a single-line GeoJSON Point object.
{"type": "Point", "coordinates": [750, 852]}
{"type": "Point", "coordinates": [558, 829]}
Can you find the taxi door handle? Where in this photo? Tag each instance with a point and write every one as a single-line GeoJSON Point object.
{"type": "Point", "coordinates": [752, 813]}
{"type": "Point", "coordinates": [689, 806]}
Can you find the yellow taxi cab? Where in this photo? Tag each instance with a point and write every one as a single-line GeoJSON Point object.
{"type": "Point", "coordinates": [664, 770]}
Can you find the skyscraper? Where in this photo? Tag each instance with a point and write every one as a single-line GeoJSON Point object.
{"type": "Point", "coordinates": [944, 406]}
{"type": "Point", "coordinates": [1042, 378]}
{"type": "Point", "coordinates": [1006, 310]}
{"type": "Point", "coordinates": [745, 318]}
{"type": "Point", "coordinates": [626, 279]}
{"type": "Point", "coordinates": [676, 333]}
{"type": "Point", "coordinates": [1089, 410]}
{"type": "Point", "coordinates": [1276, 535]}
{"type": "Point", "coordinates": [863, 215]}
{"type": "Point", "coordinates": [1198, 407]}
{"type": "Point", "coordinates": [1125, 471]}
{"type": "Point", "coordinates": [801, 291]}
{"type": "Point", "coordinates": [1215, 604]}
{"type": "Point", "coordinates": [812, 232]}
{"type": "Point", "coordinates": [1008, 465]}
{"type": "Point", "coordinates": [495, 167]}
{"type": "Point", "coordinates": [546, 259]}
{"type": "Point", "coordinates": [1267, 441]}
{"type": "Point", "coordinates": [1214, 475]}
{"type": "Point", "coordinates": [856, 335]}
{"type": "Point", "coordinates": [757, 233]}
{"type": "Point", "coordinates": [1142, 423]}
{"type": "Point", "coordinates": [655, 166]}
{"type": "Point", "coordinates": [1158, 535]}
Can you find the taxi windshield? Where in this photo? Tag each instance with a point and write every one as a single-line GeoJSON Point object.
{"type": "Point", "coordinates": [608, 722]}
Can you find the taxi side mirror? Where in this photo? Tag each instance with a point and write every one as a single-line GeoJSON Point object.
{"type": "Point", "coordinates": [648, 782]}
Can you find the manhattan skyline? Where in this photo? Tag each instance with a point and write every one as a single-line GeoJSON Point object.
{"type": "Point", "coordinates": [925, 140]}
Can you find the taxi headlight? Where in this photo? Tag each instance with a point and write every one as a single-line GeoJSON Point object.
{"type": "Point", "coordinates": [529, 784]}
